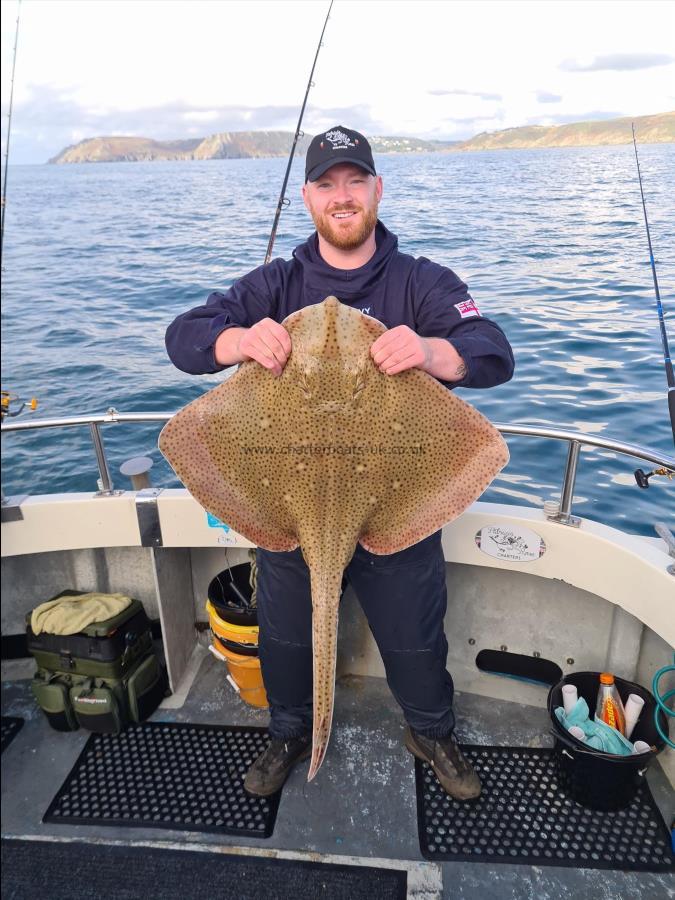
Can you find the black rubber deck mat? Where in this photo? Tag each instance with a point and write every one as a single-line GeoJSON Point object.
{"type": "Point", "coordinates": [522, 817]}
{"type": "Point", "coordinates": [80, 871]}
{"type": "Point", "coordinates": [11, 726]}
{"type": "Point", "coordinates": [168, 775]}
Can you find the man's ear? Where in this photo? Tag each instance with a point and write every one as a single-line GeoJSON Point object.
{"type": "Point", "coordinates": [379, 188]}
{"type": "Point", "coordinates": [305, 198]}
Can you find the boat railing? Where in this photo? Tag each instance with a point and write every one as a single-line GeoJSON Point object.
{"type": "Point", "coordinates": [575, 441]}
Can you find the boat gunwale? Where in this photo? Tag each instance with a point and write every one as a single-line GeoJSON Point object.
{"type": "Point", "coordinates": [516, 429]}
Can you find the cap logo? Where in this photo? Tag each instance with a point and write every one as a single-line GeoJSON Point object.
{"type": "Point", "coordinates": [339, 140]}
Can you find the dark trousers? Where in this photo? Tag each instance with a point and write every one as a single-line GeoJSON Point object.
{"type": "Point", "coordinates": [404, 599]}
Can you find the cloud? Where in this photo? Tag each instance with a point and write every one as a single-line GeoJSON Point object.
{"type": "Point", "coordinates": [545, 97]}
{"type": "Point", "coordinates": [474, 120]}
{"type": "Point", "coordinates": [618, 62]}
{"type": "Point", "coordinates": [440, 92]}
{"type": "Point", "coordinates": [595, 115]}
{"type": "Point", "coordinates": [361, 118]}
{"type": "Point", "coordinates": [61, 120]}
{"type": "Point", "coordinates": [452, 128]}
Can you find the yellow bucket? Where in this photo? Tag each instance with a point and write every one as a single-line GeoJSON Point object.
{"type": "Point", "coordinates": [242, 634]}
{"type": "Point", "coordinates": [245, 670]}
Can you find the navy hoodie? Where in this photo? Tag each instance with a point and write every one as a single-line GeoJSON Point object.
{"type": "Point", "coordinates": [393, 287]}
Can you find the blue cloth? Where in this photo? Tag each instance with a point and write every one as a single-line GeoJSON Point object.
{"type": "Point", "coordinates": [393, 287]}
{"type": "Point", "coordinates": [599, 735]}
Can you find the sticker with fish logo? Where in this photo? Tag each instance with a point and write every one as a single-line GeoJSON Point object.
{"type": "Point", "coordinates": [339, 139]}
{"type": "Point", "coordinates": [514, 544]}
{"type": "Point", "coordinates": [467, 308]}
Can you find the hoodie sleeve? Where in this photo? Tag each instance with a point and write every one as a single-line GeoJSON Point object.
{"type": "Point", "coordinates": [191, 336]}
{"type": "Point", "coordinates": [446, 309]}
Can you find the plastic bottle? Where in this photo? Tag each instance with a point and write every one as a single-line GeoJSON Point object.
{"type": "Point", "coordinates": [609, 708]}
{"type": "Point", "coordinates": [570, 697]}
{"type": "Point", "coordinates": [633, 709]}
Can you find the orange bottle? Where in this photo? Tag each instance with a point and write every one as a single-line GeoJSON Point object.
{"type": "Point", "coordinates": [609, 708]}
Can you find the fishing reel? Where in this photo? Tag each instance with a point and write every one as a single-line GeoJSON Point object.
{"type": "Point", "coordinates": [6, 401]}
{"type": "Point", "coordinates": [642, 477]}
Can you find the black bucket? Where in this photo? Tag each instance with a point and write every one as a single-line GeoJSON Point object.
{"type": "Point", "coordinates": [230, 593]}
{"type": "Point", "coordinates": [593, 778]}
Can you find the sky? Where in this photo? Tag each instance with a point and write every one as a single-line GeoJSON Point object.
{"type": "Point", "coordinates": [174, 69]}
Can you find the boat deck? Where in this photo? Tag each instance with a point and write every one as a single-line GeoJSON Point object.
{"type": "Point", "coordinates": [361, 807]}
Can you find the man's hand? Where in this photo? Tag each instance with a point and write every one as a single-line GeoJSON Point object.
{"type": "Point", "coordinates": [267, 342]}
{"type": "Point", "coordinates": [401, 348]}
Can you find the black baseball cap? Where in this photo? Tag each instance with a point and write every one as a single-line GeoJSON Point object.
{"type": "Point", "coordinates": [337, 145]}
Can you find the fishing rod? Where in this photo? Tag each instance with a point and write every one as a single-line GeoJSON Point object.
{"type": "Point", "coordinates": [9, 128]}
{"type": "Point", "coordinates": [283, 201]}
{"type": "Point", "coordinates": [659, 308]}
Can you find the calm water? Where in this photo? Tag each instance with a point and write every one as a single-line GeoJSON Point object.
{"type": "Point", "coordinates": [99, 259]}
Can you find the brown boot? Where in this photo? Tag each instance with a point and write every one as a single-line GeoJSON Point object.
{"type": "Point", "coordinates": [274, 765]}
{"type": "Point", "coordinates": [453, 770]}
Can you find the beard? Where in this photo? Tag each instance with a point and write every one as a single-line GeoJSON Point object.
{"type": "Point", "coordinates": [346, 237]}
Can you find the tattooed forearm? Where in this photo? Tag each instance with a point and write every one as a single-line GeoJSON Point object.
{"type": "Point", "coordinates": [445, 362]}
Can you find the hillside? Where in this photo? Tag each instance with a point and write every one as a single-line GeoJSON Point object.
{"type": "Point", "coordinates": [256, 144]}
{"type": "Point", "coordinates": [224, 145]}
{"type": "Point", "coordinates": [125, 149]}
{"type": "Point", "coordinates": [649, 130]}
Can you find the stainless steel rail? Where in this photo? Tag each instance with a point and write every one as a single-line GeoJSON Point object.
{"type": "Point", "coordinates": [575, 440]}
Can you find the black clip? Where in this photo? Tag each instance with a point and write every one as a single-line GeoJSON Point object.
{"type": "Point", "coordinates": [642, 477]}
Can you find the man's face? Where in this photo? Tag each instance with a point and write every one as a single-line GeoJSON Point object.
{"type": "Point", "coordinates": [343, 203]}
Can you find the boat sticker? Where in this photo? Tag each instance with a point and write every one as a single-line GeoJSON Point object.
{"type": "Point", "coordinates": [515, 544]}
{"type": "Point", "coordinates": [227, 538]}
{"type": "Point", "coordinates": [214, 522]}
{"type": "Point", "coordinates": [467, 308]}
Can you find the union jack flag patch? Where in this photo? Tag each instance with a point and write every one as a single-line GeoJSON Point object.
{"type": "Point", "coordinates": [467, 308]}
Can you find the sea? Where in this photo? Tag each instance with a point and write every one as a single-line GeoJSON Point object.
{"type": "Point", "coordinates": [99, 258]}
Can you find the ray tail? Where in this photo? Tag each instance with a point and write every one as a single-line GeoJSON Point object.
{"type": "Point", "coordinates": [325, 604]}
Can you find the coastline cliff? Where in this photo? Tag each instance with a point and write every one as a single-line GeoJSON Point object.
{"type": "Point", "coordinates": [653, 129]}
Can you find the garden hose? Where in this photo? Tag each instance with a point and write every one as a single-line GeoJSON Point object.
{"type": "Point", "coordinates": [661, 701]}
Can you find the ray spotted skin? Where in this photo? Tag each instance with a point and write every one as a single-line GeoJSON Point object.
{"type": "Point", "coordinates": [331, 453]}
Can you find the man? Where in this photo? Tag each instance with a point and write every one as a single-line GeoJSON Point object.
{"type": "Point", "coordinates": [434, 325]}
